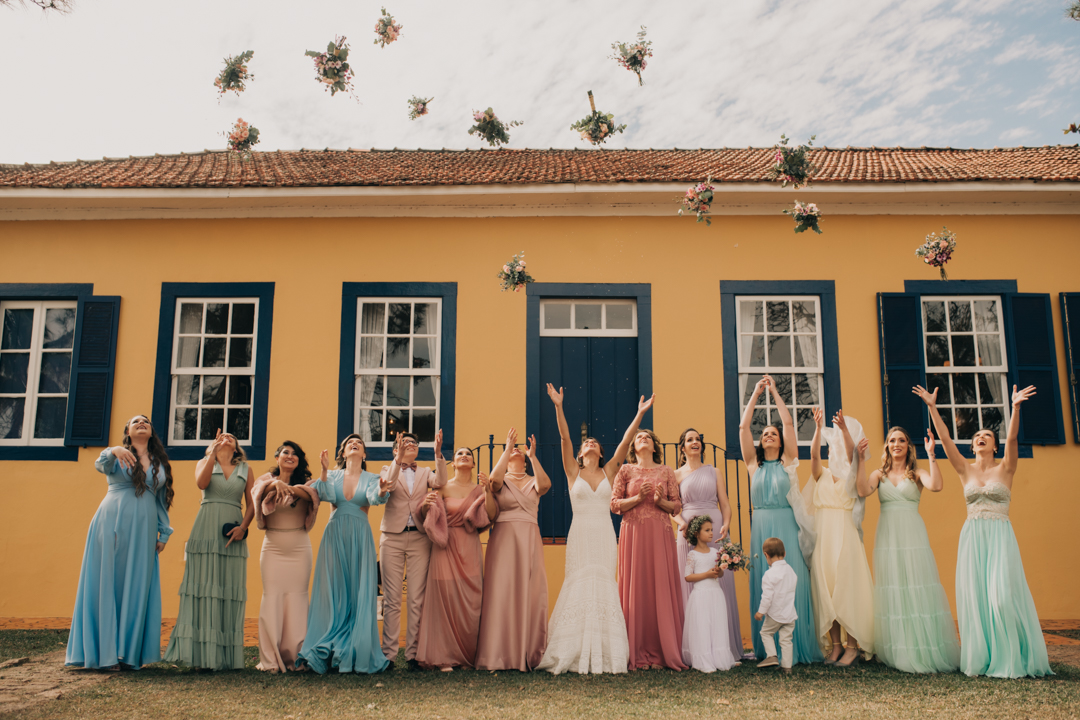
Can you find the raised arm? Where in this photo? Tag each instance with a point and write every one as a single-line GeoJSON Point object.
{"type": "Point", "coordinates": [815, 444]}
{"type": "Point", "coordinates": [205, 467]}
{"type": "Point", "coordinates": [619, 457]}
{"type": "Point", "coordinates": [543, 482]}
{"type": "Point", "coordinates": [845, 432]}
{"type": "Point", "coordinates": [440, 462]}
{"type": "Point", "coordinates": [932, 480]}
{"type": "Point", "coordinates": [958, 461]}
{"type": "Point", "coordinates": [498, 473]}
{"type": "Point", "coordinates": [569, 462]}
{"type": "Point", "coordinates": [1012, 447]}
{"type": "Point", "coordinates": [791, 438]}
{"type": "Point", "coordinates": [746, 437]}
{"type": "Point", "coordinates": [491, 505]}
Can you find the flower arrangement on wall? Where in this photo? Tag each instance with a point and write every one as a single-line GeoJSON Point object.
{"type": "Point", "coordinates": [332, 67]}
{"type": "Point", "coordinates": [698, 200]}
{"type": "Point", "coordinates": [806, 215]}
{"type": "Point", "coordinates": [235, 74]}
{"type": "Point", "coordinates": [596, 127]}
{"type": "Point", "coordinates": [491, 128]}
{"type": "Point", "coordinates": [938, 250]}
{"type": "Point", "coordinates": [791, 165]}
{"type": "Point", "coordinates": [242, 137]}
{"type": "Point", "coordinates": [386, 29]}
{"type": "Point", "coordinates": [633, 55]}
{"type": "Point", "coordinates": [418, 106]}
{"type": "Point", "coordinates": [513, 275]}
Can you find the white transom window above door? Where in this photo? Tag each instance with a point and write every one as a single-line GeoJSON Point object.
{"type": "Point", "coordinates": [588, 317]}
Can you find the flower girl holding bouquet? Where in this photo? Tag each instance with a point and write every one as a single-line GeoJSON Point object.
{"type": "Point", "coordinates": [705, 643]}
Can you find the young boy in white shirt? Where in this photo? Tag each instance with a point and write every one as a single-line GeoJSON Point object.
{"type": "Point", "coordinates": [777, 605]}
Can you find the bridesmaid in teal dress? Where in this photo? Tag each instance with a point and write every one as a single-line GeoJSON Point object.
{"type": "Point", "coordinates": [117, 618]}
{"type": "Point", "coordinates": [913, 625]}
{"type": "Point", "coordinates": [343, 631]}
{"type": "Point", "coordinates": [777, 503]}
{"type": "Point", "coordinates": [1000, 635]}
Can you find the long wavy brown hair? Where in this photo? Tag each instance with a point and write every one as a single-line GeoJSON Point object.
{"type": "Point", "coordinates": [682, 446]}
{"type": "Point", "coordinates": [158, 459]}
{"type": "Point", "coordinates": [910, 461]}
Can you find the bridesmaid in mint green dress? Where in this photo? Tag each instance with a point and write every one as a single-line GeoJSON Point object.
{"type": "Point", "coordinates": [1000, 635]}
{"type": "Point", "coordinates": [913, 625]}
{"type": "Point", "coordinates": [779, 512]}
{"type": "Point", "coordinates": [343, 631]}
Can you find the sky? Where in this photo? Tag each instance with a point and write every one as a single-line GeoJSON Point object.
{"type": "Point", "coordinates": [111, 79]}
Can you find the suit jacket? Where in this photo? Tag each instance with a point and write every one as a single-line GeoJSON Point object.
{"type": "Point", "coordinates": [401, 502]}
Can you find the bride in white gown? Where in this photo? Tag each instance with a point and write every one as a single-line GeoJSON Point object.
{"type": "Point", "coordinates": [587, 631]}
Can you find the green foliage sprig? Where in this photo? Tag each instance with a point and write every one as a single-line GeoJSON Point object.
{"type": "Point", "coordinates": [491, 128]}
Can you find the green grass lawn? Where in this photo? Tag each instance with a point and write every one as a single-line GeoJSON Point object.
{"type": "Point", "coordinates": [23, 643]}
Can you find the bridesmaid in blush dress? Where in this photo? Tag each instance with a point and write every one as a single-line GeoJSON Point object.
{"type": "Point", "coordinates": [513, 621]}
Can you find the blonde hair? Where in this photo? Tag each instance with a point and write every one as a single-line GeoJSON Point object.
{"type": "Point", "coordinates": [910, 461]}
{"type": "Point", "coordinates": [657, 455]}
{"type": "Point", "coordinates": [238, 455]}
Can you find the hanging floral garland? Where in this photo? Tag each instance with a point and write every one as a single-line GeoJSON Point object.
{"type": "Point", "coordinates": [332, 68]}
{"type": "Point", "coordinates": [698, 200]}
{"type": "Point", "coordinates": [492, 128]}
{"type": "Point", "coordinates": [806, 215]}
{"type": "Point", "coordinates": [597, 127]}
{"type": "Point", "coordinates": [418, 106]}
{"type": "Point", "coordinates": [632, 55]}
{"type": "Point", "coordinates": [385, 28]}
{"type": "Point", "coordinates": [938, 250]}
{"type": "Point", "coordinates": [242, 137]}
{"type": "Point", "coordinates": [513, 275]}
{"type": "Point", "coordinates": [791, 165]}
{"type": "Point", "coordinates": [235, 74]}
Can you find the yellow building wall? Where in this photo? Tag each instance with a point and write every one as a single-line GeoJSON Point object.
{"type": "Point", "coordinates": [48, 505]}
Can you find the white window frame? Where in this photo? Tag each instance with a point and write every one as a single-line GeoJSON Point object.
{"type": "Point", "coordinates": [602, 331]}
{"type": "Point", "coordinates": [33, 370]}
{"type": "Point", "coordinates": [435, 371]}
{"type": "Point", "coordinates": [745, 371]}
{"type": "Point", "coordinates": [204, 371]}
{"type": "Point", "coordinates": [1002, 369]}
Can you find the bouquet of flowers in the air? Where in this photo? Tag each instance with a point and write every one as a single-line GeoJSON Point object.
{"type": "Point", "coordinates": [492, 128]}
{"type": "Point", "coordinates": [938, 250]}
{"type": "Point", "coordinates": [731, 557]}
{"type": "Point", "coordinates": [386, 29]}
{"type": "Point", "coordinates": [513, 275]}
{"type": "Point", "coordinates": [332, 68]}
{"type": "Point", "coordinates": [241, 138]}
{"type": "Point", "coordinates": [698, 200]}
{"type": "Point", "coordinates": [790, 165]}
{"type": "Point", "coordinates": [632, 55]}
{"type": "Point", "coordinates": [1073, 127]}
{"type": "Point", "coordinates": [235, 74]}
{"type": "Point", "coordinates": [806, 217]}
{"type": "Point", "coordinates": [418, 106]}
{"type": "Point", "coordinates": [597, 127]}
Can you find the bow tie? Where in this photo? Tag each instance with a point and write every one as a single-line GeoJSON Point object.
{"type": "Point", "coordinates": [408, 466]}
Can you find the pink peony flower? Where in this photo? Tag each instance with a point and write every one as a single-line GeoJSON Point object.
{"type": "Point", "coordinates": [521, 264]}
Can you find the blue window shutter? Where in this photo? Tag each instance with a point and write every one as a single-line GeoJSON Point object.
{"type": "Point", "coordinates": [1033, 361]}
{"type": "Point", "coordinates": [1070, 320]}
{"type": "Point", "coordinates": [92, 368]}
{"type": "Point", "coordinates": [902, 365]}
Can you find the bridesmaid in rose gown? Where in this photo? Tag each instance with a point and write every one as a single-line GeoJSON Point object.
{"type": "Point", "coordinates": [453, 516]}
{"type": "Point", "coordinates": [513, 621]}
{"type": "Point", "coordinates": [702, 493]}
{"type": "Point", "coordinates": [646, 494]}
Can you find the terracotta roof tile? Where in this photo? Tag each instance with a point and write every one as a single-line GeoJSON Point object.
{"type": "Point", "coordinates": [320, 168]}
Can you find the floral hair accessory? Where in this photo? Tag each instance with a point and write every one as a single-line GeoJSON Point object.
{"type": "Point", "coordinates": [731, 557]}
{"type": "Point", "coordinates": [938, 250]}
{"type": "Point", "coordinates": [491, 128]}
{"type": "Point", "coordinates": [698, 200]}
{"type": "Point", "coordinates": [790, 165]}
{"type": "Point", "coordinates": [806, 215]}
{"type": "Point", "coordinates": [234, 74]}
{"type": "Point", "coordinates": [694, 528]}
{"type": "Point", "coordinates": [242, 136]}
{"type": "Point", "coordinates": [632, 55]}
{"type": "Point", "coordinates": [385, 28]}
{"type": "Point", "coordinates": [332, 68]}
{"type": "Point", "coordinates": [418, 106]}
{"type": "Point", "coordinates": [597, 127]}
{"type": "Point", "coordinates": [513, 275]}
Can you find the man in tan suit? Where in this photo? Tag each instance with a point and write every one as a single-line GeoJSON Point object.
{"type": "Point", "coordinates": [403, 544]}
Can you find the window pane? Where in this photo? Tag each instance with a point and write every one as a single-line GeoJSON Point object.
{"type": "Point", "coordinates": [396, 421]}
{"type": "Point", "coordinates": [187, 389]}
{"type": "Point", "coordinates": [400, 314]}
{"type": "Point", "coordinates": [213, 390]}
{"type": "Point", "coordinates": [13, 372]}
{"type": "Point", "coordinates": [243, 319]}
{"type": "Point", "coordinates": [748, 389]}
{"type": "Point", "coordinates": [963, 350]}
{"type": "Point", "coordinates": [779, 317]}
{"type": "Point", "coordinates": [213, 352]}
{"type": "Point", "coordinates": [371, 351]}
{"type": "Point", "coordinates": [964, 388]}
{"type": "Point", "coordinates": [187, 354]}
{"type": "Point", "coordinates": [217, 318]}
{"type": "Point", "coordinates": [753, 351]}
{"type": "Point", "coordinates": [805, 350]}
{"type": "Point", "coordinates": [779, 351]}
{"type": "Point", "coordinates": [371, 390]}
{"type": "Point", "coordinates": [18, 329]}
{"type": "Point", "coordinates": [940, 382]}
{"type": "Point", "coordinates": [783, 388]}
{"type": "Point", "coordinates": [759, 422]}
{"type": "Point", "coordinates": [372, 318]}
{"type": "Point", "coordinates": [239, 423]}
{"type": "Point", "coordinates": [397, 352]}
{"type": "Point", "coordinates": [620, 317]}
{"type": "Point", "coordinates": [11, 417]}
{"type": "Point", "coordinates": [191, 319]}
{"type": "Point", "coordinates": [185, 424]}
{"type": "Point", "coordinates": [423, 424]}
{"type": "Point", "coordinates": [750, 316]}
{"type": "Point", "coordinates": [990, 389]}
{"type": "Point", "coordinates": [424, 318]}
{"type": "Point", "coordinates": [213, 419]}
{"type": "Point", "coordinates": [993, 419]}
{"type": "Point", "coordinates": [934, 316]}
{"type": "Point", "coordinates": [960, 316]}
{"type": "Point", "coordinates": [557, 316]}
{"type": "Point", "coordinates": [422, 352]}
{"type": "Point", "coordinates": [371, 425]}
{"type": "Point", "coordinates": [397, 391]}
{"type": "Point", "coordinates": [424, 391]}
{"type": "Point", "coordinates": [587, 316]}
{"type": "Point", "coordinates": [989, 350]}
{"type": "Point", "coordinates": [51, 417]}
{"type": "Point", "coordinates": [240, 390]}
{"type": "Point", "coordinates": [806, 390]}
{"type": "Point", "coordinates": [239, 352]}
{"type": "Point", "coordinates": [55, 373]}
{"type": "Point", "coordinates": [967, 423]}
{"type": "Point", "coordinates": [937, 351]}
{"type": "Point", "coordinates": [59, 328]}
{"type": "Point", "coordinates": [986, 319]}
{"type": "Point", "coordinates": [804, 315]}
{"type": "Point", "coordinates": [804, 424]}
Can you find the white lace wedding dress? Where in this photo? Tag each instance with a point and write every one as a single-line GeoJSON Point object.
{"type": "Point", "coordinates": [587, 632]}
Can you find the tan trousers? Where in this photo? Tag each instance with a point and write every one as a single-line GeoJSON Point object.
{"type": "Point", "coordinates": [400, 553]}
{"type": "Point", "coordinates": [768, 629]}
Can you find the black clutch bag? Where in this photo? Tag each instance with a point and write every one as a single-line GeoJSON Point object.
{"type": "Point", "coordinates": [228, 528]}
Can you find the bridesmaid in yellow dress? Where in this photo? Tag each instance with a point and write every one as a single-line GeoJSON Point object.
{"type": "Point", "coordinates": [843, 590]}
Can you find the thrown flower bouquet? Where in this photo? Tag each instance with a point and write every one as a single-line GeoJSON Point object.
{"type": "Point", "coordinates": [492, 128]}
{"type": "Point", "coordinates": [938, 250]}
{"type": "Point", "coordinates": [1073, 128]}
{"type": "Point", "coordinates": [418, 106]}
{"type": "Point", "coordinates": [731, 557]}
{"type": "Point", "coordinates": [698, 200]}
{"type": "Point", "coordinates": [632, 55]}
{"type": "Point", "coordinates": [242, 137]}
{"type": "Point", "coordinates": [806, 215]}
{"type": "Point", "coordinates": [235, 74]}
{"type": "Point", "coordinates": [790, 165]}
{"type": "Point", "coordinates": [332, 67]}
{"type": "Point", "coordinates": [513, 275]}
{"type": "Point", "coordinates": [597, 126]}
{"type": "Point", "coordinates": [386, 29]}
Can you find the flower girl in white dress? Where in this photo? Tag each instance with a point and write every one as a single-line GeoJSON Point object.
{"type": "Point", "coordinates": [705, 645]}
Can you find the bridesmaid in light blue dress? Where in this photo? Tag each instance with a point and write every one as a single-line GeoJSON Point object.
{"type": "Point", "coordinates": [117, 618]}
{"type": "Point", "coordinates": [779, 512]}
{"type": "Point", "coordinates": [343, 631]}
{"type": "Point", "coordinates": [1000, 635]}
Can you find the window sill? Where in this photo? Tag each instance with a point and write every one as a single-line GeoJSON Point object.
{"type": "Point", "coordinates": [67, 453]}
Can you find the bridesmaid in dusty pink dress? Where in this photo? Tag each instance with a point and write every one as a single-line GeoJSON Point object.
{"type": "Point", "coordinates": [453, 516]}
{"type": "Point", "coordinates": [513, 622]}
{"type": "Point", "coordinates": [647, 495]}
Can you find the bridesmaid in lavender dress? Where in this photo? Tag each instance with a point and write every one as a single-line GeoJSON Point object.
{"type": "Point", "coordinates": [702, 493]}
{"type": "Point", "coordinates": [513, 621]}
